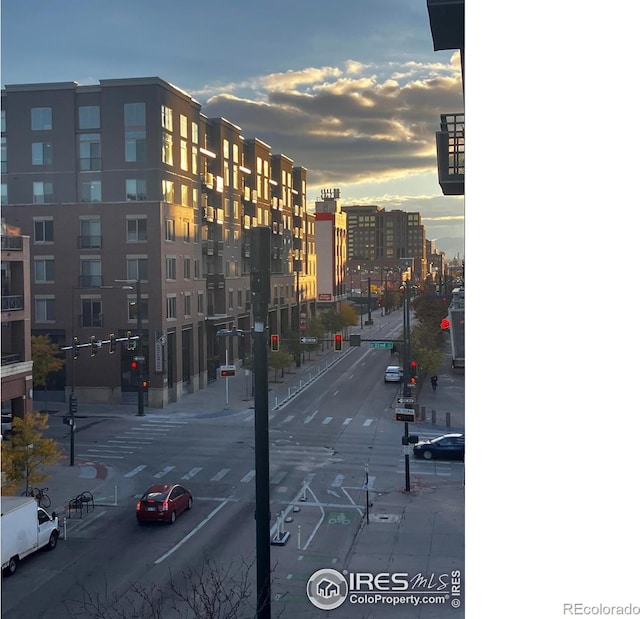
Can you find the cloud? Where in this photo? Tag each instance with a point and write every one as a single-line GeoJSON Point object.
{"type": "Point", "coordinates": [355, 125]}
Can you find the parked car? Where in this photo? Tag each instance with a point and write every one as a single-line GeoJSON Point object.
{"type": "Point", "coordinates": [445, 447]}
{"type": "Point", "coordinates": [164, 503]}
{"type": "Point", "coordinates": [393, 374]}
{"type": "Point", "coordinates": [7, 424]}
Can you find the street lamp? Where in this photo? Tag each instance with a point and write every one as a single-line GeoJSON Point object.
{"type": "Point", "coordinates": [139, 334]}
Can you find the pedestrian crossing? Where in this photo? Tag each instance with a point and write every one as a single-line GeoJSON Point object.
{"type": "Point", "coordinates": [310, 419]}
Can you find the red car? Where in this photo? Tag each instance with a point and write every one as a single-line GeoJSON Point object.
{"type": "Point", "coordinates": [163, 502]}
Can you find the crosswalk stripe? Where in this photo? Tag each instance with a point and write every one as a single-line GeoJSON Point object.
{"type": "Point", "coordinates": [367, 422]}
{"type": "Point", "coordinates": [278, 477]}
{"type": "Point", "coordinates": [248, 477]}
{"type": "Point", "coordinates": [219, 475]}
{"type": "Point", "coordinates": [347, 421]}
{"type": "Point", "coordinates": [164, 471]}
{"type": "Point", "coordinates": [326, 420]}
{"type": "Point", "coordinates": [192, 472]}
{"type": "Point", "coordinates": [288, 418]}
{"type": "Point", "coordinates": [337, 482]}
{"type": "Point", "coordinates": [135, 471]}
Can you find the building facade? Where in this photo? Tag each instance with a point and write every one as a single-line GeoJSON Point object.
{"type": "Point", "coordinates": [139, 209]}
{"type": "Point", "coordinates": [17, 383]}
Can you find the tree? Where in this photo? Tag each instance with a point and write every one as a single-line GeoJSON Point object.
{"type": "Point", "coordinates": [348, 315]}
{"type": "Point", "coordinates": [28, 452]}
{"type": "Point", "coordinates": [44, 354]}
{"type": "Point", "coordinates": [279, 360]}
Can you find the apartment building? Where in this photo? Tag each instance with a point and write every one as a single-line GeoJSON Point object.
{"type": "Point", "coordinates": [139, 207]}
{"type": "Point", "coordinates": [17, 390]}
{"type": "Point", "coordinates": [377, 238]}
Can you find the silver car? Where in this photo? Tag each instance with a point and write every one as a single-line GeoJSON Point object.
{"type": "Point", "coordinates": [393, 374]}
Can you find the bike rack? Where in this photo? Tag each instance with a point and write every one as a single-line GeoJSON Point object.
{"type": "Point", "coordinates": [80, 503]}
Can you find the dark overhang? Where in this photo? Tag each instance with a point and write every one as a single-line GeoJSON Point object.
{"type": "Point", "coordinates": [446, 18]}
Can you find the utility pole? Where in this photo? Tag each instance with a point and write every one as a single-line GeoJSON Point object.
{"type": "Point", "coordinates": [260, 295]}
{"type": "Point", "coordinates": [146, 363]}
{"type": "Point", "coordinates": [406, 391]}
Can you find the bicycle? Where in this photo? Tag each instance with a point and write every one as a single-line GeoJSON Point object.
{"type": "Point", "coordinates": [40, 495]}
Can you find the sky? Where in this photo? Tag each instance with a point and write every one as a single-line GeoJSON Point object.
{"type": "Point", "coordinates": [350, 89]}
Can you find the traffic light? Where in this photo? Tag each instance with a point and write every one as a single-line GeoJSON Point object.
{"type": "Point", "coordinates": [145, 383]}
{"type": "Point", "coordinates": [445, 324]}
{"type": "Point", "coordinates": [93, 346]}
{"type": "Point", "coordinates": [76, 352]}
{"type": "Point", "coordinates": [227, 370]}
{"type": "Point", "coordinates": [337, 342]}
{"type": "Point", "coordinates": [112, 343]}
{"type": "Point", "coordinates": [413, 372]}
{"type": "Point", "coordinates": [275, 343]}
{"type": "Point", "coordinates": [134, 366]}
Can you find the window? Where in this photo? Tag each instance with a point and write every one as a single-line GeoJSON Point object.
{"type": "Point", "coordinates": [194, 197]}
{"type": "Point", "coordinates": [3, 123]}
{"type": "Point", "coordinates": [134, 115]}
{"type": "Point", "coordinates": [194, 159]}
{"type": "Point", "coordinates": [3, 155]}
{"type": "Point", "coordinates": [187, 268]}
{"type": "Point", "coordinates": [3, 194]}
{"type": "Point", "coordinates": [92, 191]}
{"type": "Point", "coordinates": [91, 313]}
{"type": "Point", "coordinates": [41, 119]}
{"type": "Point", "coordinates": [136, 189]}
{"type": "Point", "coordinates": [194, 132]}
{"type": "Point", "coordinates": [200, 302]}
{"type": "Point", "coordinates": [167, 191]}
{"type": "Point", "coordinates": [187, 304]}
{"type": "Point", "coordinates": [239, 298]}
{"type": "Point", "coordinates": [230, 299]}
{"type": "Point", "coordinates": [169, 230]}
{"type": "Point", "coordinates": [136, 230]}
{"type": "Point", "coordinates": [184, 126]}
{"type": "Point", "coordinates": [42, 192]}
{"type": "Point", "coordinates": [135, 145]}
{"type": "Point", "coordinates": [137, 268]}
{"type": "Point", "coordinates": [196, 268]}
{"type": "Point", "coordinates": [171, 307]}
{"type": "Point", "coordinates": [43, 231]}
{"type": "Point", "coordinates": [90, 273]}
{"type": "Point", "coordinates": [186, 231]}
{"type": "Point", "coordinates": [167, 148]}
{"type": "Point", "coordinates": [167, 118]}
{"type": "Point", "coordinates": [89, 117]}
{"type": "Point", "coordinates": [184, 195]}
{"type": "Point", "coordinates": [89, 147]}
{"type": "Point", "coordinates": [90, 234]}
{"type": "Point", "coordinates": [184, 155]}
{"type": "Point", "coordinates": [43, 270]}
{"type": "Point", "coordinates": [45, 309]}
{"type": "Point", "coordinates": [170, 268]}
{"type": "Point", "coordinates": [41, 153]}
{"type": "Point", "coordinates": [133, 308]}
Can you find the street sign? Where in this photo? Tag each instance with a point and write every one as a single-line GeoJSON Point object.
{"type": "Point", "coordinates": [406, 400]}
{"type": "Point", "coordinates": [227, 370]}
{"type": "Point", "coordinates": [380, 344]}
{"type": "Point", "coordinates": [405, 414]}
{"type": "Point", "coordinates": [308, 340]}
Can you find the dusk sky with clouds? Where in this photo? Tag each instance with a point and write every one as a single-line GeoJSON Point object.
{"type": "Point", "coordinates": [351, 90]}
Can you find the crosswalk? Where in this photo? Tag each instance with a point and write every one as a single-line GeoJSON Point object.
{"type": "Point", "coordinates": [274, 419]}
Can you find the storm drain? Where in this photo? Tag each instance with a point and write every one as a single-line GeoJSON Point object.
{"type": "Point", "coordinates": [384, 518]}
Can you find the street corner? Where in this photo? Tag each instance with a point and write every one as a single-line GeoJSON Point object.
{"type": "Point", "coordinates": [91, 470]}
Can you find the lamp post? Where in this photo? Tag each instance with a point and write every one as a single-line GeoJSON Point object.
{"type": "Point", "coordinates": [139, 334]}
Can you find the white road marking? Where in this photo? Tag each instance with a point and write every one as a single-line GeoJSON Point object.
{"type": "Point", "coordinates": [368, 422]}
{"type": "Point", "coordinates": [164, 471]}
{"type": "Point", "coordinates": [192, 472]}
{"type": "Point", "coordinates": [347, 421]}
{"type": "Point", "coordinates": [135, 471]}
{"type": "Point", "coordinates": [288, 418]}
{"type": "Point", "coordinates": [219, 475]}
{"type": "Point", "coordinates": [191, 533]}
{"type": "Point", "coordinates": [326, 420]}
{"type": "Point", "coordinates": [310, 417]}
{"type": "Point", "coordinates": [248, 477]}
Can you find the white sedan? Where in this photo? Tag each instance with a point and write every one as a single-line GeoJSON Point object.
{"type": "Point", "coordinates": [393, 374]}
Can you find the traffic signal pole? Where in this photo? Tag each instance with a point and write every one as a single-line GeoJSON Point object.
{"type": "Point", "coordinates": [406, 391]}
{"type": "Point", "coordinates": [260, 294]}
{"type": "Point", "coordinates": [139, 329]}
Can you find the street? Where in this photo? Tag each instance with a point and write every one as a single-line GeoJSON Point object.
{"type": "Point", "coordinates": [324, 444]}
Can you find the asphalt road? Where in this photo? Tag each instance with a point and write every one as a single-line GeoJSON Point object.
{"type": "Point", "coordinates": [324, 444]}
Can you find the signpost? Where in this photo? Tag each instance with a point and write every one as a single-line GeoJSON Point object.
{"type": "Point", "coordinates": [406, 400]}
{"type": "Point", "coordinates": [405, 414]}
{"type": "Point", "coordinates": [380, 344]}
{"type": "Point", "coordinates": [308, 340]}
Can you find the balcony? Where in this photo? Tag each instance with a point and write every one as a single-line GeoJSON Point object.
{"type": "Point", "coordinates": [450, 149]}
{"type": "Point", "coordinates": [12, 243]}
{"type": "Point", "coordinates": [12, 303]}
